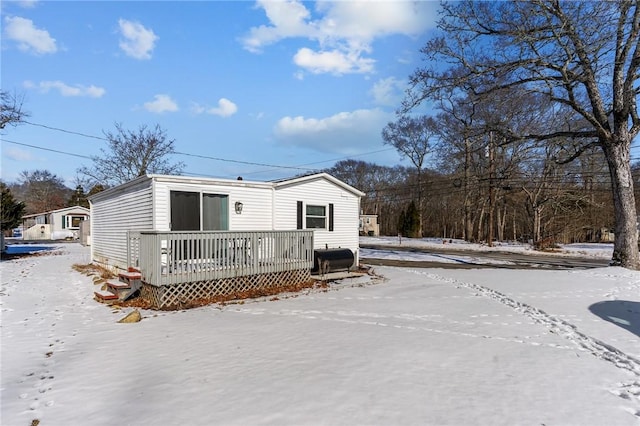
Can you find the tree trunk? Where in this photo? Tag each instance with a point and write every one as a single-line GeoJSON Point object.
{"type": "Point", "coordinates": [420, 206]}
{"type": "Point", "coordinates": [492, 192]}
{"type": "Point", "coordinates": [468, 224]}
{"type": "Point", "coordinates": [536, 224]}
{"type": "Point", "coordinates": [502, 221]}
{"type": "Point", "coordinates": [479, 223]}
{"type": "Point", "coordinates": [625, 247]}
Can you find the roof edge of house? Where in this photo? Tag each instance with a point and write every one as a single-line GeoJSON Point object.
{"type": "Point", "coordinates": [229, 182]}
{"type": "Point", "coordinates": [321, 175]}
{"type": "Point", "coordinates": [57, 210]}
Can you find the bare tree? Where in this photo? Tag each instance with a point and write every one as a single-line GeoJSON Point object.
{"type": "Point", "coordinates": [580, 55]}
{"type": "Point", "coordinates": [42, 191]}
{"type": "Point", "coordinates": [412, 137]}
{"type": "Point", "coordinates": [132, 154]}
{"type": "Point", "coordinates": [11, 111]}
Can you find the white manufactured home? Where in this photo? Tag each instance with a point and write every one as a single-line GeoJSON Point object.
{"type": "Point", "coordinates": [55, 224]}
{"type": "Point", "coordinates": [177, 231]}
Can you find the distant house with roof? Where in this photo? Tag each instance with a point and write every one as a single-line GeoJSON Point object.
{"type": "Point", "coordinates": [57, 224]}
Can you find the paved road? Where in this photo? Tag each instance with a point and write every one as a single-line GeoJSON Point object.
{"type": "Point", "coordinates": [516, 260]}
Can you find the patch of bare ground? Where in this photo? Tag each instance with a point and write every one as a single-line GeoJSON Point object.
{"type": "Point", "coordinates": [232, 298]}
{"type": "Point", "coordinates": [99, 273]}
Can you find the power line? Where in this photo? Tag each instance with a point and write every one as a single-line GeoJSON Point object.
{"type": "Point", "coordinates": [66, 131]}
{"type": "Point", "coordinates": [239, 161]}
{"type": "Point", "coordinates": [331, 160]}
{"type": "Point", "coordinates": [46, 149]}
{"type": "Point", "coordinates": [249, 163]}
{"type": "Point", "coordinates": [301, 167]}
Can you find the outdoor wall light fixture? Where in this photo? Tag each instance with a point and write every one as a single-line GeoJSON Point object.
{"type": "Point", "coordinates": [238, 207]}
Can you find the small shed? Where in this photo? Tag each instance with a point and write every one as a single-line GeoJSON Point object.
{"type": "Point", "coordinates": [57, 224]}
{"type": "Point", "coordinates": [247, 228]}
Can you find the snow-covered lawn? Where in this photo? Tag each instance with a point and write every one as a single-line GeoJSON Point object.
{"type": "Point", "coordinates": [418, 347]}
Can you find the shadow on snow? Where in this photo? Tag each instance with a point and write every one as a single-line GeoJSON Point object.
{"type": "Point", "coordinates": [623, 313]}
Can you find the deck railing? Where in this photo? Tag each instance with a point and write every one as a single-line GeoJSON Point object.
{"type": "Point", "coordinates": [166, 258]}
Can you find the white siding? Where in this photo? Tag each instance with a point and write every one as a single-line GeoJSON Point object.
{"type": "Point", "coordinates": [321, 192]}
{"type": "Point", "coordinates": [113, 216]}
{"type": "Point", "coordinates": [56, 217]}
{"type": "Point", "coordinates": [256, 201]}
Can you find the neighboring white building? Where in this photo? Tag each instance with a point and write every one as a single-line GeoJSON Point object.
{"type": "Point", "coordinates": [316, 202]}
{"type": "Point", "coordinates": [54, 225]}
{"type": "Point", "coordinates": [369, 225]}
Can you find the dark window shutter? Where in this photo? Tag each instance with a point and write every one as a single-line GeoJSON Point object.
{"type": "Point", "coordinates": [299, 225]}
{"type": "Point", "coordinates": [330, 217]}
{"type": "Point", "coordinates": [64, 221]}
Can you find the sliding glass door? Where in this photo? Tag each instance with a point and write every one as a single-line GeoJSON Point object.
{"type": "Point", "coordinates": [186, 214]}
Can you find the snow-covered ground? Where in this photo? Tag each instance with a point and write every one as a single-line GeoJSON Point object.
{"type": "Point", "coordinates": [416, 347]}
{"type": "Point", "coordinates": [592, 250]}
{"type": "Point", "coordinates": [451, 246]}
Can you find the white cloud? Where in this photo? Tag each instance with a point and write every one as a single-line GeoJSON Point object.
{"type": "Point", "coordinates": [366, 20]}
{"type": "Point", "coordinates": [29, 38]}
{"type": "Point", "coordinates": [288, 19]}
{"type": "Point", "coordinates": [17, 154]}
{"type": "Point", "coordinates": [388, 91]}
{"type": "Point", "coordinates": [160, 104]}
{"type": "Point", "coordinates": [138, 41]}
{"type": "Point", "coordinates": [344, 30]}
{"type": "Point", "coordinates": [334, 61]}
{"type": "Point", "coordinates": [225, 108]}
{"type": "Point", "coordinates": [197, 108]}
{"type": "Point", "coordinates": [66, 90]}
{"type": "Point", "coordinates": [345, 133]}
{"type": "Point", "coordinates": [28, 4]}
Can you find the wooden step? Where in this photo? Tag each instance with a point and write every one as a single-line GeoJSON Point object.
{"type": "Point", "coordinates": [118, 285]}
{"type": "Point", "coordinates": [130, 275]}
{"type": "Point", "coordinates": [105, 295]}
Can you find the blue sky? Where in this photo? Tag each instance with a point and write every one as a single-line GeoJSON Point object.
{"type": "Point", "coordinates": [271, 89]}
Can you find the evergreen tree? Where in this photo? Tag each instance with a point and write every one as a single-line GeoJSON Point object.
{"type": "Point", "coordinates": [409, 221]}
{"type": "Point", "coordinates": [401, 222]}
{"type": "Point", "coordinates": [78, 198]}
{"type": "Point", "coordinates": [12, 210]}
{"type": "Point", "coordinates": [413, 228]}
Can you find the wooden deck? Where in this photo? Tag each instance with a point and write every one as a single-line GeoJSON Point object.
{"type": "Point", "coordinates": [170, 258]}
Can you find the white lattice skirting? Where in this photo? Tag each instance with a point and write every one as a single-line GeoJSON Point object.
{"type": "Point", "coordinates": [176, 296]}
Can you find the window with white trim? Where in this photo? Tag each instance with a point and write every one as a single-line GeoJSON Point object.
{"type": "Point", "coordinates": [72, 221]}
{"type": "Point", "coordinates": [316, 217]}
